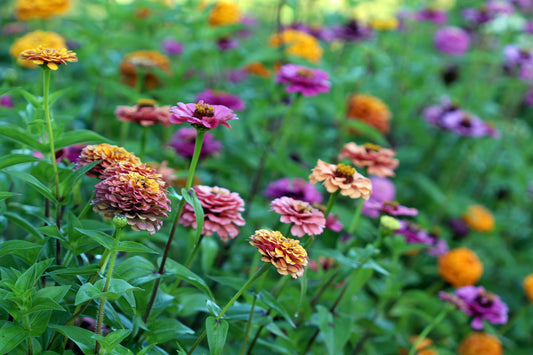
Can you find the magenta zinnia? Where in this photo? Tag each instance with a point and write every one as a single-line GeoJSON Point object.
{"type": "Point", "coordinates": [305, 218]}
{"type": "Point", "coordinates": [142, 199]}
{"type": "Point", "coordinates": [308, 81]}
{"type": "Point", "coordinates": [222, 212]}
{"type": "Point", "coordinates": [202, 115]}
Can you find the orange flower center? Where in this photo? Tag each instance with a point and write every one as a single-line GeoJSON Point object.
{"type": "Point", "coordinates": [345, 171]}
{"type": "Point", "coordinates": [305, 73]}
{"type": "Point", "coordinates": [203, 110]}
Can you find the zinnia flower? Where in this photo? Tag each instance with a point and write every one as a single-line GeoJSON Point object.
{"type": "Point", "coordinates": [258, 69]}
{"type": "Point", "coordinates": [478, 343]}
{"type": "Point", "coordinates": [108, 154]}
{"type": "Point", "coordinates": [299, 44]}
{"type": "Point", "coordinates": [305, 218]}
{"type": "Point", "coordinates": [414, 234]}
{"type": "Point", "coordinates": [6, 101]}
{"type": "Point", "coordinates": [33, 40]}
{"type": "Point", "coordinates": [145, 112]}
{"type": "Point", "coordinates": [370, 110]}
{"type": "Point", "coordinates": [528, 287]}
{"type": "Point", "coordinates": [40, 9]}
{"type": "Point", "coordinates": [218, 97]}
{"type": "Point", "coordinates": [423, 348]}
{"type": "Point", "coordinates": [184, 140]}
{"type": "Point", "coordinates": [452, 41]}
{"type": "Point", "coordinates": [146, 61]}
{"type": "Point", "coordinates": [352, 31]}
{"type": "Point", "coordinates": [287, 255]}
{"type": "Point", "coordinates": [298, 189]}
{"type": "Point", "coordinates": [141, 199]}
{"type": "Point", "coordinates": [49, 57]}
{"type": "Point", "coordinates": [374, 208]}
{"type": "Point", "coordinates": [436, 16]}
{"type": "Point", "coordinates": [307, 81]}
{"type": "Point", "coordinates": [202, 115]}
{"type": "Point", "coordinates": [479, 218]}
{"type": "Point", "coordinates": [171, 46]}
{"type": "Point", "coordinates": [224, 13]}
{"type": "Point", "coordinates": [460, 267]}
{"type": "Point", "coordinates": [377, 160]}
{"type": "Point", "coordinates": [478, 303]}
{"type": "Point", "coordinates": [222, 212]}
{"type": "Point", "coordinates": [342, 177]}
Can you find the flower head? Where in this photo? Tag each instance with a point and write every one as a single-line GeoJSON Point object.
{"type": "Point", "coordinates": [478, 303]}
{"type": "Point", "coordinates": [377, 160]}
{"type": "Point", "coordinates": [287, 255]}
{"type": "Point", "coordinates": [423, 348]}
{"type": "Point", "coordinates": [141, 199]}
{"type": "Point", "coordinates": [436, 16]}
{"type": "Point", "coordinates": [202, 115]}
{"type": "Point", "coordinates": [146, 61]}
{"type": "Point", "coordinates": [298, 189]}
{"type": "Point", "coordinates": [40, 9]}
{"type": "Point", "coordinates": [479, 218]}
{"type": "Point", "coordinates": [480, 343]}
{"type": "Point", "coordinates": [342, 177]}
{"type": "Point", "coordinates": [353, 31]}
{"type": "Point", "coordinates": [305, 218]}
{"type": "Point", "coordinates": [299, 44]}
{"type": "Point", "coordinates": [258, 69]}
{"type": "Point", "coordinates": [307, 81]}
{"type": "Point", "coordinates": [528, 287]}
{"type": "Point", "coordinates": [452, 41]}
{"type": "Point", "coordinates": [373, 208]}
{"type": "Point", "coordinates": [6, 101]}
{"type": "Point", "coordinates": [33, 40]}
{"type": "Point", "coordinates": [108, 154]}
{"type": "Point", "coordinates": [184, 140]}
{"type": "Point", "coordinates": [414, 234]}
{"type": "Point", "coordinates": [49, 56]}
{"type": "Point", "coordinates": [222, 212]}
{"type": "Point", "coordinates": [145, 113]}
{"type": "Point", "coordinates": [218, 97]}
{"type": "Point", "coordinates": [370, 110]}
{"type": "Point", "coordinates": [171, 46]}
{"type": "Point", "coordinates": [460, 267]}
{"type": "Point", "coordinates": [224, 13]}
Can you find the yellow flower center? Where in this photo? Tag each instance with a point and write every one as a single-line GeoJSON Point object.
{"type": "Point", "coordinates": [146, 103]}
{"type": "Point", "coordinates": [345, 170]}
{"type": "Point", "coordinates": [306, 73]}
{"type": "Point", "coordinates": [203, 110]}
{"type": "Point", "coordinates": [371, 146]}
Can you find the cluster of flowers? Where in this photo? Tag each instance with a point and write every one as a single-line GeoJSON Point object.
{"type": "Point", "coordinates": [127, 187]}
{"type": "Point", "coordinates": [450, 117]}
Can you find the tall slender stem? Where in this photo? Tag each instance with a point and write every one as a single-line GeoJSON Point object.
{"type": "Point", "coordinates": [428, 328]}
{"type": "Point", "coordinates": [356, 216]}
{"type": "Point", "coordinates": [250, 317]}
{"type": "Point", "coordinates": [144, 138]}
{"type": "Point", "coordinates": [331, 202]}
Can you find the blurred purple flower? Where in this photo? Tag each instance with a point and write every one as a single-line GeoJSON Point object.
{"type": "Point", "coordinates": [302, 79]}
{"type": "Point", "coordinates": [528, 27]}
{"type": "Point", "coordinates": [332, 222]}
{"type": "Point", "coordinates": [6, 101]}
{"type": "Point", "coordinates": [184, 139]}
{"type": "Point", "coordinates": [478, 303]}
{"type": "Point", "coordinates": [218, 97]}
{"type": "Point", "coordinates": [382, 190]}
{"type": "Point", "coordinates": [237, 75]}
{"type": "Point", "coordinates": [528, 97]}
{"type": "Point", "coordinates": [297, 188]}
{"type": "Point", "coordinates": [487, 12]}
{"type": "Point", "coordinates": [435, 16]}
{"type": "Point", "coordinates": [352, 32]}
{"type": "Point", "coordinates": [171, 46]}
{"type": "Point", "coordinates": [374, 208]}
{"type": "Point", "coordinates": [459, 228]}
{"type": "Point", "coordinates": [226, 43]}
{"type": "Point", "coordinates": [321, 33]}
{"type": "Point", "coordinates": [415, 235]}
{"type": "Point", "coordinates": [452, 40]}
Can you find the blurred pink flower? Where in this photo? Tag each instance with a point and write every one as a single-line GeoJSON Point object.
{"type": "Point", "coordinates": [306, 219]}
{"type": "Point", "coordinates": [297, 188]}
{"type": "Point", "coordinates": [308, 81]}
{"type": "Point", "coordinates": [377, 160]}
{"type": "Point", "coordinates": [202, 115]}
{"type": "Point", "coordinates": [145, 113]}
{"type": "Point", "coordinates": [452, 40]}
{"type": "Point", "coordinates": [184, 140]}
{"type": "Point", "coordinates": [171, 46]}
{"type": "Point", "coordinates": [218, 97]}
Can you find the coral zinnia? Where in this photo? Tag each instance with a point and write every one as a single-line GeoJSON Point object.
{"type": "Point", "coordinates": [460, 267]}
{"type": "Point", "coordinates": [146, 113]}
{"type": "Point", "coordinates": [306, 219]}
{"type": "Point", "coordinates": [141, 199]}
{"type": "Point", "coordinates": [222, 212]}
{"type": "Point", "coordinates": [108, 154]}
{"type": "Point", "coordinates": [147, 61]}
{"type": "Point", "coordinates": [479, 218]}
{"type": "Point", "coordinates": [49, 57]}
{"type": "Point", "coordinates": [42, 9]}
{"type": "Point", "coordinates": [202, 115]}
{"type": "Point", "coordinates": [299, 44]}
{"type": "Point", "coordinates": [33, 40]}
{"type": "Point", "coordinates": [287, 255]}
{"type": "Point", "coordinates": [370, 110]}
{"type": "Point", "coordinates": [224, 13]}
{"type": "Point", "coordinates": [307, 81]}
{"type": "Point", "coordinates": [377, 160]}
{"type": "Point", "coordinates": [480, 343]}
{"type": "Point", "coordinates": [342, 177]}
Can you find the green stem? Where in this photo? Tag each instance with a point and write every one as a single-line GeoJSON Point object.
{"type": "Point", "coordinates": [251, 280]}
{"type": "Point", "coordinates": [144, 139]}
{"type": "Point", "coordinates": [428, 328]}
{"type": "Point", "coordinates": [46, 94]}
{"type": "Point", "coordinates": [100, 321]}
{"type": "Point", "coordinates": [124, 128]}
{"type": "Point", "coordinates": [289, 122]}
{"type": "Point", "coordinates": [28, 328]}
{"type": "Point", "coordinates": [194, 162]}
{"type": "Point", "coordinates": [356, 217]}
{"type": "Point", "coordinates": [331, 202]}
{"type": "Point", "coordinates": [250, 317]}
{"type": "Point", "coordinates": [191, 257]}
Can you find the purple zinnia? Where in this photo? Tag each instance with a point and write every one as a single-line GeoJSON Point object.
{"type": "Point", "coordinates": [452, 41]}
{"type": "Point", "coordinates": [415, 235]}
{"type": "Point", "coordinates": [298, 188]}
{"type": "Point", "coordinates": [373, 209]}
{"type": "Point", "coordinates": [466, 124]}
{"type": "Point", "coordinates": [353, 31]}
{"type": "Point", "coordinates": [184, 139]}
{"type": "Point", "coordinates": [218, 97]}
{"type": "Point", "coordinates": [308, 81]}
{"type": "Point", "coordinates": [382, 190]}
{"type": "Point", "coordinates": [6, 101]}
{"type": "Point", "coordinates": [171, 46]}
{"type": "Point", "coordinates": [202, 115]}
{"type": "Point", "coordinates": [438, 17]}
{"type": "Point", "coordinates": [478, 303]}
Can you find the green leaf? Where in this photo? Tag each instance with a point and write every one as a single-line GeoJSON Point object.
{"type": "Point", "coordinates": [73, 177]}
{"type": "Point", "coordinates": [166, 329]}
{"type": "Point", "coordinates": [113, 339]}
{"type": "Point", "coordinates": [82, 337]}
{"type": "Point", "coordinates": [364, 129]}
{"type": "Point", "coordinates": [55, 95]}
{"type": "Point", "coordinates": [27, 280]}
{"type": "Point", "coordinates": [35, 183]}
{"type": "Point", "coordinates": [216, 334]}
{"type": "Point", "coordinates": [5, 194]}
{"type": "Point", "coordinates": [35, 101]}
{"type": "Point", "coordinates": [117, 288]}
{"type": "Point", "coordinates": [213, 308]}
{"type": "Point", "coordinates": [14, 159]}
{"type": "Point", "coordinates": [134, 247]}
{"type": "Point", "coordinates": [271, 302]}
{"type": "Point", "coordinates": [55, 293]}
{"type": "Point", "coordinates": [13, 246]}
{"type": "Point", "coordinates": [11, 336]}
{"type": "Point", "coordinates": [192, 199]}
{"type": "Point", "coordinates": [79, 136]}
{"type": "Point", "coordinates": [87, 292]}
{"type": "Point", "coordinates": [24, 223]}
{"type": "Point", "coordinates": [44, 304]}
{"type": "Point", "coordinates": [182, 273]}
{"type": "Point", "coordinates": [18, 135]}
{"type": "Point", "coordinates": [99, 237]}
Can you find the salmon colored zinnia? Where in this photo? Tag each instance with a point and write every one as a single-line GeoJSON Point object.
{"type": "Point", "coordinates": [343, 177]}
{"type": "Point", "coordinates": [460, 267]}
{"type": "Point", "coordinates": [479, 218]}
{"type": "Point", "coordinates": [287, 255]}
{"type": "Point", "coordinates": [480, 344]}
{"type": "Point", "coordinates": [377, 160]}
{"type": "Point", "coordinates": [369, 109]}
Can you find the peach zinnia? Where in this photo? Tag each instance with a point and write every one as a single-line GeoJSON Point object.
{"type": "Point", "coordinates": [460, 267]}
{"type": "Point", "coordinates": [287, 255]}
{"type": "Point", "coordinates": [342, 177]}
{"type": "Point", "coordinates": [377, 160]}
{"type": "Point", "coordinates": [306, 219]}
{"type": "Point", "coordinates": [108, 154]}
{"type": "Point", "coordinates": [49, 56]}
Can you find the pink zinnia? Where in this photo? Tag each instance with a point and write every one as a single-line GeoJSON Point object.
{"type": "Point", "coordinates": [377, 160]}
{"type": "Point", "coordinates": [222, 212]}
{"type": "Point", "coordinates": [308, 81]}
{"type": "Point", "coordinates": [306, 219]}
{"type": "Point", "coordinates": [202, 115]}
{"type": "Point", "coordinates": [145, 113]}
{"type": "Point", "coordinates": [452, 40]}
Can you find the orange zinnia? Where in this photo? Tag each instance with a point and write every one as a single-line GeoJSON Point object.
{"type": "Point", "coordinates": [460, 267]}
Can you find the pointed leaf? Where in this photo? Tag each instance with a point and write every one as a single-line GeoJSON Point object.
{"type": "Point", "coordinates": [99, 237]}
{"type": "Point", "coordinates": [271, 302]}
{"type": "Point", "coordinates": [11, 336]}
{"type": "Point", "coordinates": [134, 247]}
{"type": "Point", "coordinates": [181, 272]}
{"type": "Point", "coordinates": [216, 334]}
{"type": "Point", "coordinates": [14, 159]}
{"type": "Point", "coordinates": [24, 223]}
{"type": "Point", "coordinates": [5, 194]}
{"type": "Point", "coordinates": [32, 180]}
{"type": "Point", "coordinates": [192, 199]}
{"type": "Point", "coordinates": [82, 337]}
{"type": "Point", "coordinates": [79, 136]}
{"type": "Point", "coordinates": [16, 134]}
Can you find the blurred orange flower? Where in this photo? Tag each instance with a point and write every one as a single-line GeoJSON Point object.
{"type": "Point", "coordinates": [33, 40]}
{"type": "Point", "coordinates": [299, 44]}
{"type": "Point", "coordinates": [224, 13]}
{"type": "Point", "coordinates": [30, 9]}
{"type": "Point", "coordinates": [146, 61]}
{"type": "Point", "coordinates": [480, 344]}
{"type": "Point", "coordinates": [479, 218]}
{"type": "Point", "coordinates": [369, 109]}
{"type": "Point", "coordinates": [528, 286]}
{"type": "Point", "coordinates": [460, 267]}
